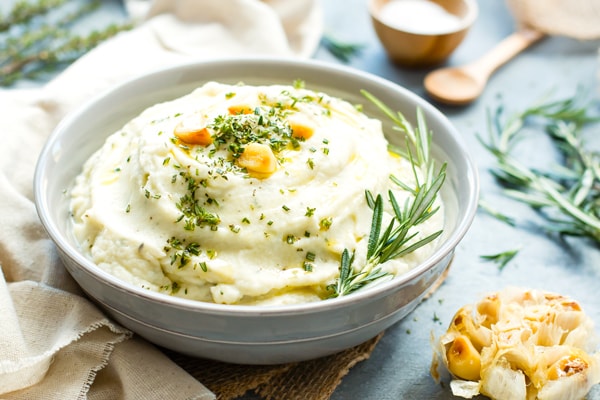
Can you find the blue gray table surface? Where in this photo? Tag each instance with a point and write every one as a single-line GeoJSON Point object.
{"type": "Point", "coordinates": [399, 366]}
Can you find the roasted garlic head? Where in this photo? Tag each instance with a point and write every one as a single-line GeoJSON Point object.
{"type": "Point", "coordinates": [520, 344]}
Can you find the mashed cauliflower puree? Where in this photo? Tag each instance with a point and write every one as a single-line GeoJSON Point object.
{"type": "Point", "coordinates": [239, 194]}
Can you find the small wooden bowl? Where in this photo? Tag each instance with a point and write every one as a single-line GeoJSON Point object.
{"type": "Point", "coordinates": [429, 45]}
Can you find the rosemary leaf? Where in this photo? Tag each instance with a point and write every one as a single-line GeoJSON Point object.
{"type": "Point", "coordinates": [484, 205]}
{"type": "Point", "coordinates": [375, 226]}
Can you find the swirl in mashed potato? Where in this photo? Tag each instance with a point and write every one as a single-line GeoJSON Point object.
{"type": "Point", "coordinates": [239, 194]}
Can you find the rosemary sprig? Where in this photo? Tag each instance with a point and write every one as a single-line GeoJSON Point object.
{"type": "Point", "coordinates": [350, 281]}
{"type": "Point", "coordinates": [397, 239]}
{"type": "Point", "coordinates": [341, 50]}
{"type": "Point", "coordinates": [501, 259]}
{"type": "Point", "coordinates": [567, 194]}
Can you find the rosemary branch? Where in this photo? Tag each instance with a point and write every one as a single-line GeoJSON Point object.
{"type": "Point", "coordinates": [397, 239]}
{"type": "Point", "coordinates": [566, 194]}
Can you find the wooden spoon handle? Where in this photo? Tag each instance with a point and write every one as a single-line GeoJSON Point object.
{"type": "Point", "coordinates": [503, 52]}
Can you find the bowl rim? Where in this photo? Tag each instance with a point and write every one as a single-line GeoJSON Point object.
{"type": "Point", "coordinates": [365, 295]}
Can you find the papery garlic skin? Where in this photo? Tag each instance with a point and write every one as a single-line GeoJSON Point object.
{"type": "Point", "coordinates": [528, 344]}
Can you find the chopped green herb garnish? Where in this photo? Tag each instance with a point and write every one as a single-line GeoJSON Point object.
{"type": "Point", "coordinates": [265, 125]}
{"type": "Point", "coordinates": [299, 84]}
{"type": "Point", "coordinates": [325, 223]}
{"type": "Point", "coordinates": [193, 214]}
{"type": "Point", "coordinates": [181, 253]}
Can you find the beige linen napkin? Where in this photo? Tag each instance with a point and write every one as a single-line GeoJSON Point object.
{"type": "Point", "coordinates": [54, 344]}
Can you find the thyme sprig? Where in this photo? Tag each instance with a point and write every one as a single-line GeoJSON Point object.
{"type": "Point", "coordinates": [397, 239]}
{"type": "Point", "coordinates": [23, 11]}
{"type": "Point", "coordinates": [33, 42]}
{"type": "Point", "coordinates": [567, 194]}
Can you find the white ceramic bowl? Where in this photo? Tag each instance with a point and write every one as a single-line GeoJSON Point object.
{"type": "Point", "coordinates": [248, 334]}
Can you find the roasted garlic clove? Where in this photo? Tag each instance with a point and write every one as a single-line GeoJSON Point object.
{"type": "Point", "coordinates": [237, 109]}
{"type": "Point", "coordinates": [258, 158]}
{"type": "Point", "coordinates": [463, 359]}
{"type": "Point", "coordinates": [193, 130]}
{"type": "Point", "coordinates": [302, 127]}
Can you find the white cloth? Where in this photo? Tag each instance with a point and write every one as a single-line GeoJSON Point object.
{"type": "Point", "coordinates": [54, 343]}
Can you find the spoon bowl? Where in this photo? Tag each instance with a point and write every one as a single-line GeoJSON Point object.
{"type": "Point", "coordinates": [454, 86]}
{"type": "Point", "coordinates": [462, 85]}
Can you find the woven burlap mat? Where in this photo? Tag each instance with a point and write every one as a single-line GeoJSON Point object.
{"type": "Point", "coordinates": [313, 379]}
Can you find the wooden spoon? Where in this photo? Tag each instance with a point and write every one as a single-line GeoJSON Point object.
{"type": "Point", "coordinates": [462, 85]}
